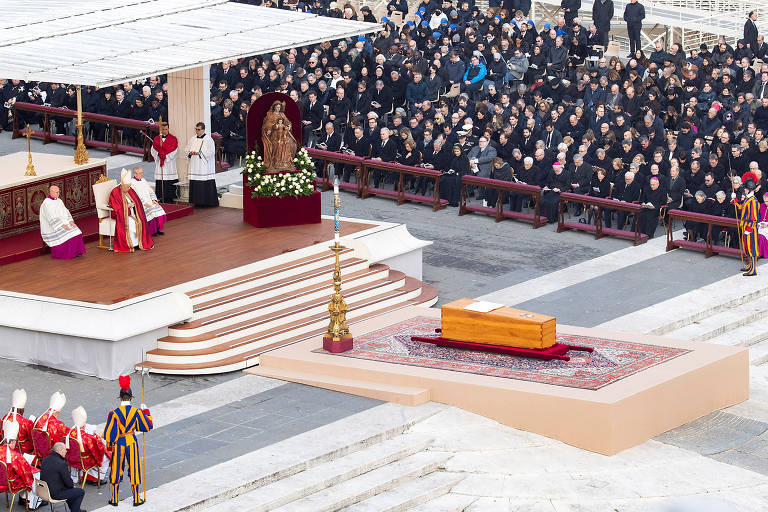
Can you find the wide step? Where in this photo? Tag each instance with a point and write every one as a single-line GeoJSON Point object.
{"type": "Point", "coordinates": [325, 475]}
{"type": "Point", "coordinates": [369, 484]}
{"type": "Point", "coordinates": [409, 495]}
{"type": "Point", "coordinates": [446, 503]}
{"type": "Point", "coordinates": [722, 322]}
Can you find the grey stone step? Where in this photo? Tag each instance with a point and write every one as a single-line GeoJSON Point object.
{"type": "Point", "coordinates": [323, 476]}
{"type": "Point", "coordinates": [369, 484]}
{"type": "Point", "coordinates": [722, 322]}
{"type": "Point", "coordinates": [247, 472]}
{"type": "Point", "coordinates": [744, 336]}
{"type": "Point", "coordinates": [409, 495]}
{"type": "Point", "coordinates": [446, 503]}
{"type": "Point", "coordinates": [758, 354]}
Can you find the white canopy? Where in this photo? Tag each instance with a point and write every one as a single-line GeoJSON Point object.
{"type": "Point", "coordinates": [107, 42]}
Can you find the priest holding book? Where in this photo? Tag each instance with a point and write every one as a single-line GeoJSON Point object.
{"type": "Point", "coordinates": [58, 228]}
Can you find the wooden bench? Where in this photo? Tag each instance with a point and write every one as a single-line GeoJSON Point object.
{"type": "Point", "coordinates": [597, 228]}
{"type": "Point", "coordinates": [498, 210]}
{"type": "Point", "coordinates": [707, 246]}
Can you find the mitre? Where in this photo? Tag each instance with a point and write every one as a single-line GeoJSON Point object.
{"type": "Point", "coordinates": [125, 176]}
{"type": "Point", "coordinates": [58, 401]}
{"type": "Point", "coordinates": [19, 399]}
{"type": "Point", "coordinates": [79, 417]}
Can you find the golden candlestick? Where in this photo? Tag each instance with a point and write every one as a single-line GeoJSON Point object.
{"type": "Point", "coordinates": [30, 166]}
{"type": "Point", "coordinates": [337, 338]}
{"type": "Point", "coordinates": [81, 154]}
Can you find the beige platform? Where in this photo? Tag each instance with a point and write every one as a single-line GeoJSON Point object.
{"type": "Point", "coordinates": [47, 166]}
{"type": "Point", "coordinates": [608, 420]}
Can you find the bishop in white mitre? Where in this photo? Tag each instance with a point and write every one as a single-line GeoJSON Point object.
{"type": "Point", "coordinates": [201, 152]}
{"type": "Point", "coordinates": [58, 229]}
{"type": "Point", "coordinates": [156, 216]}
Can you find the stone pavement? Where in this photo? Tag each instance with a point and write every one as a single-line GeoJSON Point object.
{"type": "Point", "coordinates": [720, 459]}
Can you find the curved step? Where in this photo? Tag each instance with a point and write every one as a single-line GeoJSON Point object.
{"type": "Point", "coordinates": [264, 320]}
{"type": "Point", "coordinates": [285, 329]}
{"type": "Point", "coordinates": [243, 294]}
{"type": "Point", "coordinates": [242, 361]}
{"type": "Point", "coordinates": [264, 305]}
{"type": "Point", "coordinates": [306, 261]}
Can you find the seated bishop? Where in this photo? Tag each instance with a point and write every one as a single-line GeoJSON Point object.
{"type": "Point", "coordinates": [152, 210]}
{"type": "Point", "coordinates": [20, 472]}
{"type": "Point", "coordinates": [49, 421]}
{"type": "Point", "coordinates": [131, 229]}
{"type": "Point", "coordinates": [24, 439]}
{"type": "Point", "coordinates": [93, 452]}
{"type": "Point", "coordinates": [58, 228]}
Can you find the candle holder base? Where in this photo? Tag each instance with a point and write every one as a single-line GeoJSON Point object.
{"type": "Point", "coordinates": [337, 345]}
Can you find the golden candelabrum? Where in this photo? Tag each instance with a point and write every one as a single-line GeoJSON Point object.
{"type": "Point", "coordinates": [337, 338]}
{"type": "Point", "coordinates": [81, 154]}
{"type": "Point", "coordinates": [30, 166]}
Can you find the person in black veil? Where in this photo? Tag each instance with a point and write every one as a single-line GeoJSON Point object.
{"type": "Point", "coordinates": [458, 166]}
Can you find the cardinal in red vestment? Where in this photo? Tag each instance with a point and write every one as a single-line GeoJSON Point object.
{"type": "Point", "coordinates": [16, 414]}
{"type": "Point", "coordinates": [93, 452]}
{"type": "Point", "coordinates": [19, 471]}
{"type": "Point", "coordinates": [131, 228]}
{"type": "Point", "coordinates": [49, 421]}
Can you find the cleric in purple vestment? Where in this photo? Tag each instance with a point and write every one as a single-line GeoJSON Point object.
{"type": "Point", "coordinates": [58, 229]}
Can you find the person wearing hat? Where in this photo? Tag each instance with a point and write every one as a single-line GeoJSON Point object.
{"type": "Point", "coordinates": [131, 229]}
{"type": "Point", "coordinates": [152, 210]}
{"type": "Point", "coordinates": [49, 421]}
{"type": "Point", "coordinates": [16, 414]}
{"type": "Point", "coordinates": [19, 471]}
{"type": "Point", "coordinates": [747, 212]}
{"type": "Point", "coordinates": [201, 152]}
{"type": "Point", "coordinates": [58, 229]}
{"type": "Point", "coordinates": [93, 451]}
{"type": "Point", "coordinates": [120, 434]}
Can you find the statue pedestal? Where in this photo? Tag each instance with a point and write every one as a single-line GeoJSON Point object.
{"type": "Point", "coordinates": [270, 212]}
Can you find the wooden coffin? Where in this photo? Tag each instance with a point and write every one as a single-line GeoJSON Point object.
{"type": "Point", "coordinates": [504, 326]}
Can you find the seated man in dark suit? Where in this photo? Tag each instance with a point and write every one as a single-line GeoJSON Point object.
{"type": "Point", "coordinates": [54, 470]}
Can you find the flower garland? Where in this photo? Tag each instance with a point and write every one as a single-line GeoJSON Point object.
{"type": "Point", "coordinates": [264, 183]}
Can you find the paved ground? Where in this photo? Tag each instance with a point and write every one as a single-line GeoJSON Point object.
{"type": "Point", "coordinates": [471, 256]}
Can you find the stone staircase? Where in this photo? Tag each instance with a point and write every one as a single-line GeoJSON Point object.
{"type": "Point", "coordinates": [731, 312]}
{"type": "Point", "coordinates": [237, 318]}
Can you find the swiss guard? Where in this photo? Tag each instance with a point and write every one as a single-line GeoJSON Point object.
{"type": "Point", "coordinates": [119, 433]}
{"type": "Point", "coordinates": [747, 209]}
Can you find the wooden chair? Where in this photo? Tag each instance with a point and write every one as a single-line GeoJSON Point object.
{"type": "Point", "coordinates": [74, 457]}
{"type": "Point", "coordinates": [101, 190]}
{"type": "Point", "coordinates": [44, 494]}
{"type": "Point", "coordinates": [11, 487]}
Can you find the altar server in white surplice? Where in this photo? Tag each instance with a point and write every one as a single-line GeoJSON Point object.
{"type": "Point", "coordinates": [155, 214]}
{"type": "Point", "coordinates": [58, 228]}
{"type": "Point", "coordinates": [201, 154]}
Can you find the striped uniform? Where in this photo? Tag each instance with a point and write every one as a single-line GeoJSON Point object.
{"type": "Point", "coordinates": [119, 433]}
{"type": "Point", "coordinates": [748, 218]}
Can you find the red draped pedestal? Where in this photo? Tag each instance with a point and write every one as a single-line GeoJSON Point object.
{"type": "Point", "coordinates": [270, 212]}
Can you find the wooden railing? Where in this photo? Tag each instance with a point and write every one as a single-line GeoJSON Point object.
{"type": "Point", "coordinates": [707, 246]}
{"type": "Point", "coordinates": [502, 187]}
{"type": "Point", "coordinates": [600, 205]}
{"type": "Point", "coordinates": [149, 130]}
{"type": "Point", "coordinates": [338, 159]}
{"type": "Point", "coordinates": [399, 192]}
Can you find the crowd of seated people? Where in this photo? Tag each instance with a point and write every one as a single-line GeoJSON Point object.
{"type": "Point", "coordinates": [493, 94]}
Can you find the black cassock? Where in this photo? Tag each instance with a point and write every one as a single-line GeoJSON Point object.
{"type": "Point", "coordinates": [450, 181]}
{"type": "Point", "coordinates": [549, 198]}
{"type": "Point", "coordinates": [650, 216]}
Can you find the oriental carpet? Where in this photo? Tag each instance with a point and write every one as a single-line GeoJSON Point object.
{"type": "Point", "coordinates": [611, 361]}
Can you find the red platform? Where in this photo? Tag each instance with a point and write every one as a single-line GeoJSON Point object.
{"type": "Point", "coordinates": [557, 351]}
{"type": "Point", "coordinates": [30, 245]}
{"type": "Point", "coordinates": [271, 212]}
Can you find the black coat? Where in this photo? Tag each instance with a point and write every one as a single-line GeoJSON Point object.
{"type": "Point", "coordinates": [313, 113]}
{"type": "Point", "coordinates": [55, 471]}
{"type": "Point", "coordinates": [360, 147]}
{"type": "Point", "coordinates": [602, 13]}
{"type": "Point", "coordinates": [387, 152]}
{"type": "Point", "coordinates": [332, 142]}
{"type": "Point", "coordinates": [634, 14]}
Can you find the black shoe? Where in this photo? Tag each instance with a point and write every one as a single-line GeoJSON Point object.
{"type": "Point", "coordinates": [748, 274]}
{"type": "Point", "coordinates": [743, 269]}
{"type": "Point", "coordinates": [160, 233]}
{"type": "Point", "coordinates": [111, 503]}
{"type": "Point", "coordinates": [139, 503]}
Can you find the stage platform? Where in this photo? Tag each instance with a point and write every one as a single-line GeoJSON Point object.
{"type": "Point", "coordinates": [30, 245]}
{"type": "Point", "coordinates": [211, 296]}
{"type": "Point", "coordinates": [630, 389]}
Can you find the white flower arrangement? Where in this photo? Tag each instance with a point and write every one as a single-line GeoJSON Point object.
{"type": "Point", "coordinates": [280, 184]}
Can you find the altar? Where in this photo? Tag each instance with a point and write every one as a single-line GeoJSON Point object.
{"type": "Point", "coordinates": [21, 196]}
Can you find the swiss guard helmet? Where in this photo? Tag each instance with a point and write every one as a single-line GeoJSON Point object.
{"type": "Point", "coordinates": [749, 180]}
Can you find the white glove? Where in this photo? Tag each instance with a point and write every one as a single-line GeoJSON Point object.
{"type": "Point", "coordinates": [144, 406]}
{"type": "Point", "coordinates": [733, 195]}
